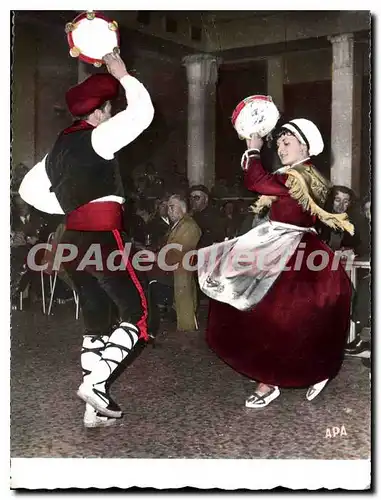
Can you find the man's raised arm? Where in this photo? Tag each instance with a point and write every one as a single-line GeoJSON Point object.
{"type": "Point", "coordinates": [123, 128]}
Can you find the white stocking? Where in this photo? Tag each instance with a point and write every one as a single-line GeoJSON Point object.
{"type": "Point", "coordinates": [119, 346]}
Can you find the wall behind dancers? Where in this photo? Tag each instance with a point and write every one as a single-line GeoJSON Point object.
{"type": "Point", "coordinates": [42, 72]}
{"type": "Point", "coordinates": [164, 142]}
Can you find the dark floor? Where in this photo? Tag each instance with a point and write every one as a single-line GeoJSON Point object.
{"type": "Point", "coordinates": [180, 401]}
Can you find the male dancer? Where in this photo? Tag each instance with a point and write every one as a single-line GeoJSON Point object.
{"type": "Point", "coordinates": [80, 178]}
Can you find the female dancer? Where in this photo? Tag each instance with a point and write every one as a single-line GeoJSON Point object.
{"type": "Point", "coordinates": [282, 327]}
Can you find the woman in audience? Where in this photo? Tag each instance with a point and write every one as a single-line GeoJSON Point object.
{"type": "Point", "coordinates": [231, 218]}
{"type": "Point", "coordinates": [342, 200]}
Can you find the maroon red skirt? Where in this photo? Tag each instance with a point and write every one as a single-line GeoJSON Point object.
{"type": "Point", "coordinates": [296, 335]}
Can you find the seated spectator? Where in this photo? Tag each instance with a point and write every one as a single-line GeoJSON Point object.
{"type": "Point", "coordinates": [361, 310]}
{"type": "Point", "coordinates": [241, 207]}
{"type": "Point", "coordinates": [19, 252]}
{"type": "Point", "coordinates": [340, 200]}
{"type": "Point", "coordinates": [159, 225]}
{"type": "Point", "coordinates": [232, 219]}
{"type": "Point", "coordinates": [142, 210]}
{"type": "Point", "coordinates": [156, 205]}
{"type": "Point", "coordinates": [161, 287]}
{"type": "Point", "coordinates": [207, 218]}
{"type": "Point", "coordinates": [26, 226]}
{"type": "Point", "coordinates": [363, 224]}
{"type": "Point", "coordinates": [18, 173]}
{"type": "Point", "coordinates": [185, 232]}
{"type": "Point", "coordinates": [141, 185]}
{"type": "Point", "coordinates": [133, 224]}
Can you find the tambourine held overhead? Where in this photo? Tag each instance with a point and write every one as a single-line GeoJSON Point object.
{"type": "Point", "coordinates": [91, 36]}
{"type": "Point", "coordinates": [257, 114]}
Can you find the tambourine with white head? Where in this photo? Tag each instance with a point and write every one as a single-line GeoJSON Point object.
{"type": "Point", "coordinates": [256, 114]}
{"type": "Point", "coordinates": [91, 36]}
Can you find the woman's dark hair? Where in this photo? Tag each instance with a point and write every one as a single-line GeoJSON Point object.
{"type": "Point", "coordinates": [345, 190]}
{"type": "Point", "coordinates": [280, 132]}
{"type": "Point", "coordinates": [353, 208]}
{"type": "Point", "coordinates": [231, 202]}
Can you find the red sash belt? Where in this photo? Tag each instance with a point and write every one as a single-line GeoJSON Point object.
{"type": "Point", "coordinates": [98, 216]}
{"type": "Point", "coordinates": [107, 216]}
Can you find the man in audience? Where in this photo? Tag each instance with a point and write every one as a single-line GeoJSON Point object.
{"type": "Point", "coordinates": [232, 219]}
{"type": "Point", "coordinates": [134, 224]}
{"type": "Point", "coordinates": [27, 229]}
{"type": "Point", "coordinates": [159, 225]}
{"type": "Point", "coordinates": [184, 232]}
{"type": "Point", "coordinates": [207, 218]}
{"type": "Point", "coordinates": [18, 173]}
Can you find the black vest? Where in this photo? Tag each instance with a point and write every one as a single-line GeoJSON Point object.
{"type": "Point", "coordinates": [78, 174]}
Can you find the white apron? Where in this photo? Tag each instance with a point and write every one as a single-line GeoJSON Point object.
{"type": "Point", "coordinates": [241, 271]}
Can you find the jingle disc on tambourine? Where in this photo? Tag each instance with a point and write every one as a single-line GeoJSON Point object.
{"type": "Point", "coordinates": [91, 36]}
{"type": "Point", "coordinates": [257, 114]}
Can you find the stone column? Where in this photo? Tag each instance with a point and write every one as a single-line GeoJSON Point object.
{"type": "Point", "coordinates": [275, 80]}
{"type": "Point", "coordinates": [346, 112]}
{"type": "Point", "coordinates": [202, 77]}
